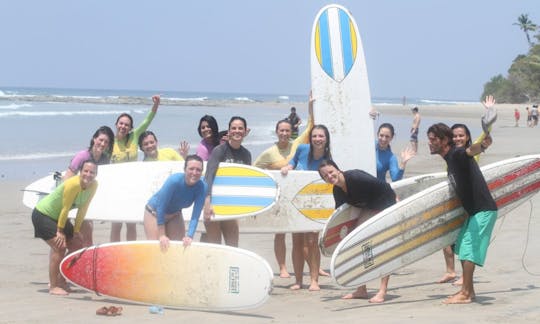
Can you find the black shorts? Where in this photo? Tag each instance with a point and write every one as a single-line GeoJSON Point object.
{"type": "Point", "coordinates": [45, 227]}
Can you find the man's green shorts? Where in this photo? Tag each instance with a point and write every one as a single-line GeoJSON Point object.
{"type": "Point", "coordinates": [473, 240]}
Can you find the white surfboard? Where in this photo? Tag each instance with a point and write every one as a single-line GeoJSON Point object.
{"type": "Point", "coordinates": [346, 218]}
{"type": "Point", "coordinates": [124, 189]}
{"type": "Point", "coordinates": [425, 223]}
{"type": "Point", "coordinates": [340, 87]}
{"type": "Point", "coordinates": [201, 276]}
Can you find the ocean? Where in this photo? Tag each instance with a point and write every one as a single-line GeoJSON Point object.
{"type": "Point", "coordinates": [46, 127]}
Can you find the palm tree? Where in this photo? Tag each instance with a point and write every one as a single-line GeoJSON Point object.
{"type": "Point", "coordinates": [526, 25]}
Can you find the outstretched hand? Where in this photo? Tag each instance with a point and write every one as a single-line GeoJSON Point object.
{"type": "Point", "coordinates": [183, 149]}
{"type": "Point", "coordinates": [407, 154]}
{"type": "Point", "coordinates": [156, 99]}
{"type": "Point", "coordinates": [489, 102]}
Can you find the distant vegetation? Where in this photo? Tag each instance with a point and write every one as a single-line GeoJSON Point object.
{"type": "Point", "coordinates": [522, 85]}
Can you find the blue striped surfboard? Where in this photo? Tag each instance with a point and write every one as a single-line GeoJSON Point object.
{"type": "Point", "coordinates": [336, 48]}
{"type": "Point", "coordinates": [125, 188]}
{"type": "Point", "coordinates": [242, 190]}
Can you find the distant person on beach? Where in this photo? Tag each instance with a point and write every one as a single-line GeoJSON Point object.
{"type": "Point", "coordinates": [517, 115]}
{"type": "Point", "coordinates": [529, 117]}
{"type": "Point", "coordinates": [126, 150]}
{"type": "Point", "coordinates": [295, 121]}
{"type": "Point", "coordinates": [51, 223]}
{"type": "Point", "coordinates": [148, 144]}
{"type": "Point", "coordinates": [308, 157]}
{"type": "Point", "coordinates": [471, 189]}
{"type": "Point", "coordinates": [231, 151]}
{"type": "Point", "coordinates": [163, 219]}
{"type": "Point", "coordinates": [414, 129]}
{"type": "Point", "coordinates": [276, 157]}
{"type": "Point", "coordinates": [99, 151]}
{"type": "Point", "coordinates": [534, 115]}
{"type": "Point", "coordinates": [360, 189]}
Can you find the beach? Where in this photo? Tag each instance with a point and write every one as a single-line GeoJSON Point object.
{"type": "Point", "coordinates": [507, 287]}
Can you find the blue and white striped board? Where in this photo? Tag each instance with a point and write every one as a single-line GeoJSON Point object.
{"type": "Point", "coordinates": [124, 189]}
{"type": "Point", "coordinates": [242, 190]}
{"type": "Point", "coordinates": [340, 88]}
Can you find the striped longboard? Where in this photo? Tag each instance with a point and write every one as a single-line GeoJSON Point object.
{"type": "Point", "coordinates": [346, 218]}
{"type": "Point", "coordinates": [425, 222]}
{"type": "Point", "coordinates": [340, 87]}
{"type": "Point", "coordinates": [125, 188]}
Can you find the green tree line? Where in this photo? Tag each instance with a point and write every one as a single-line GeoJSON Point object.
{"type": "Point", "coordinates": [522, 85]}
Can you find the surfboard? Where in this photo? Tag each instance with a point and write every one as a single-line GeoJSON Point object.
{"type": "Point", "coordinates": [340, 87]}
{"type": "Point", "coordinates": [201, 276]}
{"type": "Point", "coordinates": [305, 203]}
{"type": "Point", "coordinates": [425, 223]}
{"type": "Point", "coordinates": [346, 218]}
{"type": "Point", "coordinates": [124, 189]}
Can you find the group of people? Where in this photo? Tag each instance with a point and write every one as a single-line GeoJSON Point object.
{"type": "Point", "coordinates": [532, 116]}
{"type": "Point", "coordinates": [311, 150]}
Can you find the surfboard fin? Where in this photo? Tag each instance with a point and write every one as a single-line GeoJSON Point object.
{"type": "Point", "coordinates": [489, 119]}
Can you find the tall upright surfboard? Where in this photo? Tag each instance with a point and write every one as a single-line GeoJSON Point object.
{"type": "Point", "coordinates": [340, 87]}
{"type": "Point", "coordinates": [425, 223]}
{"type": "Point", "coordinates": [200, 276]}
{"type": "Point", "coordinates": [124, 189]}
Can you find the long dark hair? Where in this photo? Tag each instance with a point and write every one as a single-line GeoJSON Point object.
{"type": "Point", "coordinates": [327, 154]}
{"type": "Point", "coordinates": [105, 130]}
{"type": "Point", "coordinates": [467, 132]}
{"type": "Point", "coordinates": [212, 123]}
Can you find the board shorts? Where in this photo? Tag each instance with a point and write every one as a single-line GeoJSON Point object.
{"type": "Point", "coordinates": [473, 239]}
{"type": "Point", "coordinates": [46, 227]}
{"type": "Point", "coordinates": [414, 135]}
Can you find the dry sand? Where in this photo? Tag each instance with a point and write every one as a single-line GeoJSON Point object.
{"type": "Point", "coordinates": [508, 287]}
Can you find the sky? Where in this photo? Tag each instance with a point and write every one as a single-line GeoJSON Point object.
{"type": "Point", "coordinates": [416, 48]}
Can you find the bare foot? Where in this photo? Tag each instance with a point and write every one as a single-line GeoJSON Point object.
{"type": "Point", "coordinates": [323, 273]}
{"type": "Point", "coordinates": [459, 298]}
{"type": "Point", "coordinates": [295, 287]}
{"type": "Point", "coordinates": [378, 298]}
{"type": "Point", "coordinates": [448, 277]}
{"type": "Point", "coordinates": [57, 291]}
{"type": "Point", "coordinates": [314, 286]}
{"type": "Point", "coordinates": [459, 282]}
{"type": "Point", "coordinates": [354, 295]}
{"type": "Point", "coordinates": [284, 274]}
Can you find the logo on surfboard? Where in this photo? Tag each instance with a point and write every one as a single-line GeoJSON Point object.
{"type": "Point", "coordinates": [336, 42]}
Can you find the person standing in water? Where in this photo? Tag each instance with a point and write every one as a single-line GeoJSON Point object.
{"type": "Point", "coordinates": [414, 129]}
